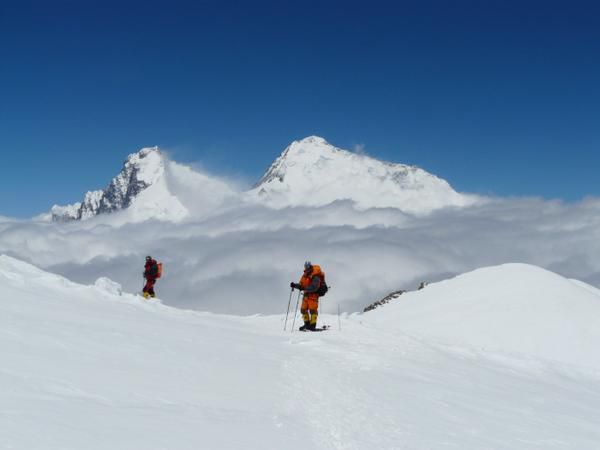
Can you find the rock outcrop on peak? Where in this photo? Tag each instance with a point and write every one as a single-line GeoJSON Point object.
{"type": "Point", "coordinates": [140, 171]}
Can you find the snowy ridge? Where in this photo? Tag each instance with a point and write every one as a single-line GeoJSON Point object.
{"type": "Point", "coordinates": [512, 308]}
{"type": "Point", "coordinates": [312, 172]}
{"type": "Point", "coordinates": [20, 273]}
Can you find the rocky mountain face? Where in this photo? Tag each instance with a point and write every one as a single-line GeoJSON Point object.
{"type": "Point", "coordinates": [140, 171]}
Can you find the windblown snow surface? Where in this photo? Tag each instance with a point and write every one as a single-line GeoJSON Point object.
{"type": "Point", "coordinates": [504, 357]}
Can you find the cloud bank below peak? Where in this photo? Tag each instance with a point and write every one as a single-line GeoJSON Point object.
{"type": "Point", "coordinates": [241, 260]}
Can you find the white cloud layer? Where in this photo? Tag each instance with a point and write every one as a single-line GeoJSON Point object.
{"type": "Point", "coordinates": [240, 258]}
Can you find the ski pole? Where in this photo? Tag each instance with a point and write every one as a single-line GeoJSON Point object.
{"type": "Point", "coordinates": [288, 310]}
{"type": "Point", "coordinates": [339, 322]}
{"type": "Point", "coordinates": [319, 313]}
{"type": "Point", "coordinates": [296, 312]}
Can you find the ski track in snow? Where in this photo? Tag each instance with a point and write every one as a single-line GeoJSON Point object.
{"type": "Point", "coordinates": [363, 388]}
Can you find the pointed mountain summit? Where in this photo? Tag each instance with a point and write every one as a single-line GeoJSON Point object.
{"type": "Point", "coordinates": [149, 187]}
{"type": "Point", "coordinates": [312, 172]}
{"type": "Point", "coordinates": [140, 171]}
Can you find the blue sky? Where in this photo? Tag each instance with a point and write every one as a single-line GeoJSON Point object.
{"type": "Point", "coordinates": [496, 97]}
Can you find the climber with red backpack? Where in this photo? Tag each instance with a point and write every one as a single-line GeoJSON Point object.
{"type": "Point", "coordinates": [152, 272]}
{"type": "Point", "coordinates": [313, 285]}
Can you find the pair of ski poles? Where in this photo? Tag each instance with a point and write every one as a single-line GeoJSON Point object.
{"type": "Point", "coordinates": [296, 311]}
{"type": "Point", "coordinates": [288, 309]}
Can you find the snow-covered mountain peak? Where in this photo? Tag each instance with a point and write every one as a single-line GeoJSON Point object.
{"type": "Point", "coordinates": [140, 170]}
{"type": "Point", "coordinates": [148, 164]}
{"type": "Point", "coordinates": [150, 186]}
{"type": "Point", "coordinates": [310, 143]}
{"type": "Point", "coordinates": [143, 153]}
{"type": "Point", "coordinates": [312, 172]}
{"type": "Point", "coordinates": [313, 140]}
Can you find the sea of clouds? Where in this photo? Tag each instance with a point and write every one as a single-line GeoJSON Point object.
{"type": "Point", "coordinates": [240, 257]}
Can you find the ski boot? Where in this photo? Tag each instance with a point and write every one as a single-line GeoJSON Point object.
{"type": "Point", "coordinates": [305, 327]}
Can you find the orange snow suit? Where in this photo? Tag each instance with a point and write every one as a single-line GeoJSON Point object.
{"type": "Point", "coordinates": [310, 301]}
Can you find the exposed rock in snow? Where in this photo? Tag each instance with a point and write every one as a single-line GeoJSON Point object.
{"type": "Point", "coordinates": [140, 171]}
{"type": "Point", "coordinates": [64, 213]}
{"type": "Point", "coordinates": [385, 300]}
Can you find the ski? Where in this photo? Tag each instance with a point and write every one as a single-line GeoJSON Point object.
{"type": "Point", "coordinates": [323, 328]}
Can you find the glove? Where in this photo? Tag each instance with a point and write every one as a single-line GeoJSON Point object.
{"type": "Point", "coordinates": [294, 285]}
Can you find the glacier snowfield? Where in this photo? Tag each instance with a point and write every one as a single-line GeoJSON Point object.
{"type": "Point", "coordinates": [500, 358]}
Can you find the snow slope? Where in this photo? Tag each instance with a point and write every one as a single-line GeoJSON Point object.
{"type": "Point", "coordinates": [312, 172]}
{"type": "Point", "coordinates": [92, 367]}
{"type": "Point", "coordinates": [512, 308]}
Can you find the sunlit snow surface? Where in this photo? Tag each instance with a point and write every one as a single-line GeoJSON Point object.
{"type": "Point", "coordinates": [312, 172]}
{"type": "Point", "coordinates": [90, 367]}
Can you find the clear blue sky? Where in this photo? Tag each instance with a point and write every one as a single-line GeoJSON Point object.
{"type": "Point", "coordinates": [497, 97]}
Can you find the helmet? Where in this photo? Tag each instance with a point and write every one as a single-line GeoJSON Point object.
{"type": "Point", "coordinates": [307, 266]}
{"type": "Point", "coordinates": [148, 258]}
